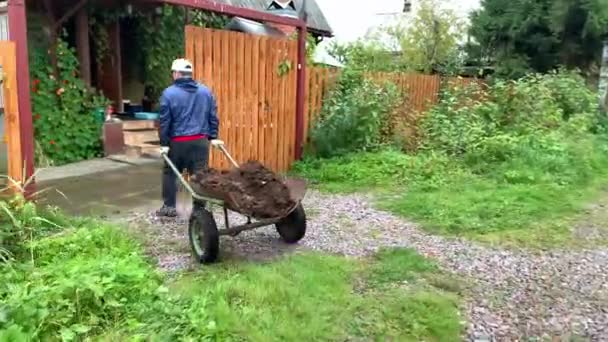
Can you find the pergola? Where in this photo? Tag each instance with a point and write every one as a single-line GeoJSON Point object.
{"type": "Point", "coordinates": [18, 34]}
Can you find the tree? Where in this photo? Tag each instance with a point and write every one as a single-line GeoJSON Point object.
{"type": "Point", "coordinates": [519, 36]}
{"type": "Point", "coordinates": [428, 42]}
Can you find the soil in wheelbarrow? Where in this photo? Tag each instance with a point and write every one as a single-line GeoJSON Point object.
{"type": "Point", "coordinates": [251, 190]}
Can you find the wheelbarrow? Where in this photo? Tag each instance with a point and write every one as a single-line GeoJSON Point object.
{"type": "Point", "coordinates": [203, 232]}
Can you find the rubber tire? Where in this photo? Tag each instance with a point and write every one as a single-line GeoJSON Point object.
{"type": "Point", "coordinates": [206, 248]}
{"type": "Point", "coordinates": [292, 228]}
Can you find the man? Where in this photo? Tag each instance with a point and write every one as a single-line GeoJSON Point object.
{"type": "Point", "coordinates": [188, 121]}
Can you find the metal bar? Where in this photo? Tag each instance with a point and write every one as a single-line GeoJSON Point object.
{"type": "Point", "coordinates": [227, 154]}
{"type": "Point", "coordinates": [234, 231]}
{"type": "Point", "coordinates": [301, 91]}
{"type": "Point", "coordinates": [18, 33]}
{"type": "Point", "coordinates": [186, 185]}
{"type": "Point", "coordinates": [220, 7]}
{"type": "Point", "coordinates": [226, 220]}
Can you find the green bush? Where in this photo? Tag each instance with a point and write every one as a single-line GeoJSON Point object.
{"type": "Point", "coordinates": [64, 123]}
{"type": "Point", "coordinates": [355, 116]}
{"type": "Point", "coordinates": [520, 156]}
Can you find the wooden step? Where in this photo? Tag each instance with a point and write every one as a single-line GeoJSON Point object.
{"type": "Point", "coordinates": [139, 124]}
{"type": "Point", "coordinates": [137, 137]}
{"type": "Point", "coordinates": [143, 150]}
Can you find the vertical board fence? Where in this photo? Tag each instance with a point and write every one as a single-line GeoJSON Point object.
{"type": "Point", "coordinates": [254, 81]}
{"type": "Point", "coordinates": [421, 93]}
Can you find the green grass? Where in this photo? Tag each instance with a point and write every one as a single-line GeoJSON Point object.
{"type": "Point", "coordinates": [94, 282]}
{"type": "Point", "coordinates": [312, 297]}
{"type": "Point", "coordinates": [531, 201]}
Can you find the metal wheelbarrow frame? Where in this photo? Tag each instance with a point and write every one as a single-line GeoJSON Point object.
{"type": "Point", "coordinates": [202, 227]}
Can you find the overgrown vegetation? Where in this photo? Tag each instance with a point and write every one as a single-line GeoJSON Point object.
{"type": "Point", "coordinates": [355, 116]}
{"type": "Point", "coordinates": [63, 107]}
{"type": "Point", "coordinates": [520, 156]}
{"type": "Point", "coordinates": [92, 281]}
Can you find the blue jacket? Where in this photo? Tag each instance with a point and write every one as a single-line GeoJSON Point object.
{"type": "Point", "coordinates": [187, 108]}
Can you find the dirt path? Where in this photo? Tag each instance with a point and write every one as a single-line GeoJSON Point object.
{"type": "Point", "coordinates": [511, 295]}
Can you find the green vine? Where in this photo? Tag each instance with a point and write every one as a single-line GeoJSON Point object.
{"type": "Point", "coordinates": [208, 19]}
{"type": "Point", "coordinates": [63, 109]}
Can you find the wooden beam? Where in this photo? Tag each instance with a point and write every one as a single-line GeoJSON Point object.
{"type": "Point", "coordinates": [83, 47]}
{"type": "Point", "coordinates": [223, 8]}
{"type": "Point", "coordinates": [69, 14]}
{"type": "Point", "coordinates": [18, 34]}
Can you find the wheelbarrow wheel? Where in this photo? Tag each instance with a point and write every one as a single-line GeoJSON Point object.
{"type": "Point", "coordinates": [204, 236]}
{"type": "Point", "coordinates": [293, 227]}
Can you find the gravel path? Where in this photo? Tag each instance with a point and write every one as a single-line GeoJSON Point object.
{"type": "Point", "coordinates": [513, 295]}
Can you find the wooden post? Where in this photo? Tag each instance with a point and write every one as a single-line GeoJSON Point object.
{"type": "Point", "coordinates": [18, 34]}
{"type": "Point", "coordinates": [83, 45]}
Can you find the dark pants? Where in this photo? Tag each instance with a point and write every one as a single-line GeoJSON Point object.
{"type": "Point", "coordinates": [192, 156]}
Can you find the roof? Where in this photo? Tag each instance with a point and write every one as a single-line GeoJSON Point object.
{"type": "Point", "coordinates": [316, 19]}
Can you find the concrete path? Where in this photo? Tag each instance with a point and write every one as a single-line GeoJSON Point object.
{"type": "Point", "coordinates": [102, 187]}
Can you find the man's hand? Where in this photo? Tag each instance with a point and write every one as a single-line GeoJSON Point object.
{"type": "Point", "coordinates": [164, 150]}
{"type": "Point", "coordinates": [217, 143]}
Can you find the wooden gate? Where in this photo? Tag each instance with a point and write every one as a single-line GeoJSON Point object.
{"type": "Point", "coordinates": [254, 81]}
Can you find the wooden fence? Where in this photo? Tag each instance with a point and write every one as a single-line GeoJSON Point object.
{"type": "Point", "coordinates": [254, 80]}
{"type": "Point", "coordinates": [421, 92]}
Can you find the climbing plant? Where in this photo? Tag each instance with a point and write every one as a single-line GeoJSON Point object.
{"type": "Point", "coordinates": [63, 108]}
{"type": "Point", "coordinates": [208, 19]}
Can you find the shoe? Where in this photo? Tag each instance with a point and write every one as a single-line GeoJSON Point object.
{"type": "Point", "coordinates": [166, 212]}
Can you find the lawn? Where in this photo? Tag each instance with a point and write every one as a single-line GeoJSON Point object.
{"type": "Point", "coordinates": [517, 203]}
{"type": "Point", "coordinates": [91, 280]}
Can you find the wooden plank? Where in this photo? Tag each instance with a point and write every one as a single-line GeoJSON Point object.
{"type": "Point", "coordinates": [248, 102]}
{"type": "Point", "coordinates": [189, 42]}
{"type": "Point", "coordinates": [199, 59]}
{"type": "Point", "coordinates": [307, 120]}
{"type": "Point", "coordinates": [218, 88]}
{"type": "Point", "coordinates": [255, 96]}
{"type": "Point", "coordinates": [282, 112]}
{"type": "Point", "coordinates": [316, 91]}
{"type": "Point", "coordinates": [12, 129]}
{"type": "Point", "coordinates": [231, 94]}
{"type": "Point", "coordinates": [263, 100]}
{"type": "Point", "coordinates": [240, 94]}
{"type": "Point", "coordinates": [207, 76]}
{"type": "Point", "coordinates": [290, 124]}
{"type": "Point", "coordinates": [276, 104]}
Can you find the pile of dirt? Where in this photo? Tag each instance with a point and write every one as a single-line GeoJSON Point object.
{"type": "Point", "coordinates": [252, 190]}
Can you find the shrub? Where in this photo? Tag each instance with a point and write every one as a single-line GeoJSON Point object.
{"type": "Point", "coordinates": [355, 116]}
{"type": "Point", "coordinates": [63, 108]}
{"type": "Point", "coordinates": [512, 114]}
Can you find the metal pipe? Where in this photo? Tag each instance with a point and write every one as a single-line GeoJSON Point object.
{"type": "Point", "coordinates": [18, 33]}
{"type": "Point", "coordinates": [234, 231]}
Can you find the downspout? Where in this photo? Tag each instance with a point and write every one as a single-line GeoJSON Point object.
{"type": "Point", "coordinates": [17, 21]}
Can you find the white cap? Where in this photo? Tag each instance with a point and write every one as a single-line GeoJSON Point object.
{"type": "Point", "coordinates": [182, 65]}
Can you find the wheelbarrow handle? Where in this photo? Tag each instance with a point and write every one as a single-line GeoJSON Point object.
{"type": "Point", "coordinates": [185, 183]}
{"type": "Point", "coordinates": [220, 146]}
